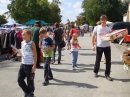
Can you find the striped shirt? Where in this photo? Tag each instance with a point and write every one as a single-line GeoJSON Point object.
{"type": "Point", "coordinates": [27, 53]}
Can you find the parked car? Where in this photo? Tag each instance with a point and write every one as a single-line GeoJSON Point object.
{"type": "Point", "coordinates": [120, 25]}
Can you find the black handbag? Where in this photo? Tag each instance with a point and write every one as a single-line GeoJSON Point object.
{"type": "Point", "coordinates": [62, 44]}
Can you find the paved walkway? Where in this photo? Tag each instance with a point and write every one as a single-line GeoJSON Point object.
{"type": "Point", "coordinates": [68, 83]}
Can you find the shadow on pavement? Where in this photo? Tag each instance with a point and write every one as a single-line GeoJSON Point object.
{"type": "Point", "coordinates": [85, 49]}
{"type": "Point", "coordinates": [117, 62]}
{"type": "Point", "coordinates": [115, 79]}
{"type": "Point", "coordinates": [2, 57]}
{"type": "Point", "coordinates": [93, 54]}
{"type": "Point", "coordinates": [85, 65]}
{"type": "Point", "coordinates": [77, 70]}
{"type": "Point", "coordinates": [66, 83]}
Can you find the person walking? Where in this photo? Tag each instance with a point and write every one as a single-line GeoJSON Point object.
{"type": "Point", "coordinates": [67, 30]}
{"type": "Point", "coordinates": [58, 37]}
{"type": "Point", "coordinates": [74, 50]}
{"type": "Point", "coordinates": [46, 44]}
{"type": "Point", "coordinates": [35, 39]}
{"type": "Point", "coordinates": [102, 47]}
{"type": "Point", "coordinates": [81, 30]}
{"type": "Point", "coordinates": [28, 64]}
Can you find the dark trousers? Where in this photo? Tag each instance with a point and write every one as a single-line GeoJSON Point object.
{"type": "Point", "coordinates": [47, 69]}
{"type": "Point", "coordinates": [107, 53]}
{"type": "Point", "coordinates": [25, 71]}
{"type": "Point", "coordinates": [59, 53]}
{"type": "Point", "coordinates": [38, 55]}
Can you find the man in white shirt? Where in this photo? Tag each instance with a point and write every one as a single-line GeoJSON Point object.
{"type": "Point", "coordinates": [81, 30]}
{"type": "Point", "coordinates": [102, 47]}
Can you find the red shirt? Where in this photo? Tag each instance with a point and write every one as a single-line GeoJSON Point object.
{"type": "Point", "coordinates": [73, 31]}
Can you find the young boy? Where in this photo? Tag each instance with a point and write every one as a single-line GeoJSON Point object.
{"type": "Point", "coordinates": [28, 64]}
{"type": "Point", "coordinates": [46, 44]}
{"type": "Point", "coordinates": [102, 46]}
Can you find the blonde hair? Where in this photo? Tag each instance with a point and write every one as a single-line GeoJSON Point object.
{"type": "Point", "coordinates": [28, 32]}
{"type": "Point", "coordinates": [42, 30]}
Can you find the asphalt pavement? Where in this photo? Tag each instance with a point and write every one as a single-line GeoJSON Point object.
{"type": "Point", "coordinates": [69, 83]}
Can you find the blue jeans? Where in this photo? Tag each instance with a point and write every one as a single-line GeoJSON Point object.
{"type": "Point", "coordinates": [74, 56]}
{"type": "Point", "coordinates": [82, 33]}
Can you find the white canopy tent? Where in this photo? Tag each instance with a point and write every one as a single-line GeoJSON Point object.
{"type": "Point", "coordinates": [11, 23]}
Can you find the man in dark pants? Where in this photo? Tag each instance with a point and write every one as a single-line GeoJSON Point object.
{"type": "Point", "coordinates": [35, 38]}
{"type": "Point", "coordinates": [102, 46]}
{"type": "Point", "coordinates": [57, 37]}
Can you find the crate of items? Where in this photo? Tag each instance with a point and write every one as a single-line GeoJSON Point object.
{"type": "Point", "coordinates": [19, 55]}
{"type": "Point", "coordinates": [126, 57]}
{"type": "Point", "coordinates": [114, 35]}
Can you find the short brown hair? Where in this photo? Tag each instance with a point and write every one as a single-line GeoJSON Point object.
{"type": "Point", "coordinates": [42, 30]}
{"type": "Point", "coordinates": [103, 17]}
{"type": "Point", "coordinates": [28, 32]}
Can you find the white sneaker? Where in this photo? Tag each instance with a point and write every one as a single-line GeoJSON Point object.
{"type": "Point", "coordinates": [73, 68]}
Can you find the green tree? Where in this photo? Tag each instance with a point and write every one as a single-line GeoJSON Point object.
{"type": "Point", "coordinates": [113, 9]}
{"type": "Point", "coordinates": [83, 18]}
{"type": "Point", "coordinates": [24, 10]}
{"type": "Point", "coordinates": [78, 21]}
{"type": "Point", "coordinates": [92, 11]}
{"type": "Point", "coordinates": [2, 19]}
{"type": "Point", "coordinates": [125, 4]}
{"type": "Point", "coordinates": [95, 8]}
{"type": "Point", "coordinates": [72, 23]}
{"type": "Point", "coordinates": [54, 13]}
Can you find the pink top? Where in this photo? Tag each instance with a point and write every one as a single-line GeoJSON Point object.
{"type": "Point", "coordinates": [13, 28]}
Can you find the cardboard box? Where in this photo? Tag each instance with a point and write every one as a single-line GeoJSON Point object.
{"type": "Point", "coordinates": [114, 35]}
{"type": "Point", "coordinates": [19, 57]}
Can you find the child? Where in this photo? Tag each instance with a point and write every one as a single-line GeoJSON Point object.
{"type": "Point", "coordinates": [74, 50]}
{"type": "Point", "coordinates": [47, 46]}
{"type": "Point", "coordinates": [28, 64]}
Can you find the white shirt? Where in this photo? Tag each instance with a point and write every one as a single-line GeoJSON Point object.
{"type": "Point", "coordinates": [27, 53]}
{"type": "Point", "coordinates": [99, 31]}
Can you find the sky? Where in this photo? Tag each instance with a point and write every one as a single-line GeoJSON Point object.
{"type": "Point", "coordinates": [69, 8]}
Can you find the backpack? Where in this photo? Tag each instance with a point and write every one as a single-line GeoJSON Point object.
{"type": "Point", "coordinates": [19, 36]}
